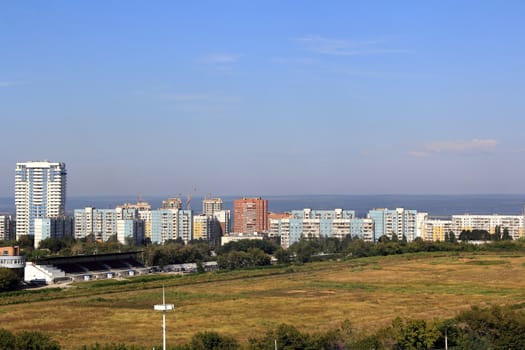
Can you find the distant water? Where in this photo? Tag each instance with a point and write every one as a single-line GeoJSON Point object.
{"type": "Point", "coordinates": [435, 205]}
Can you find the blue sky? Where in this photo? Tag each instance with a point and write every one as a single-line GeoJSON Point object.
{"type": "Point", "coordinates": [266, 97]}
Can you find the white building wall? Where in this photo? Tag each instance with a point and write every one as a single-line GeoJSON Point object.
{"type": "Point", "coordinates": [40, 191]}
{"type": "Point", "coordinates": [514, 223]}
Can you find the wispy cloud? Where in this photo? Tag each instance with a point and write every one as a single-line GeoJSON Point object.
{"type": "Point", "coordinates": [300, 60]}
{"type": "Point", "coordinates": [340, 47]}
{"type": "Point", "coordinates": [222, 58]}
{"type": "Point", "coordinates": [10, 83]}
{"type": "Point", "coordinates": [474, 146]}
{"type": "Point", "coordinates": [200, 98]}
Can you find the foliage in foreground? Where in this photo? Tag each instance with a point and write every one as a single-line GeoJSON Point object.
{"type": "Point", "coordinates": [9, 280]}
{"type": "Point", "coordinates": [315, 249]}
{"type": "Point", "coordinates": [481, 329]}
{"type": "Point", "coordinates": [27, 341]}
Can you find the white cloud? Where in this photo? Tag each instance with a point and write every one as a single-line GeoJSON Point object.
{"type": "Point", "coordinates": [9, 83]}
{"type": "Point", "coordinates": [482, 145]}
{"type": "Point", "coordinates": [419, 153]}
{"type": "Point", "coordinates": [474, 146]}
{"type": "Point", "coordinates": [222, 58]}
{"type": "Point", "coordinates": [339, 47]}
{"type": "Point", "coordinates": [200, 98]}
{"type": "Point", "coordinates": [284, 60]}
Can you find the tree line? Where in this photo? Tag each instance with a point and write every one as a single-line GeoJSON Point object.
{"type": "Point", "coordinates": [259, 253]}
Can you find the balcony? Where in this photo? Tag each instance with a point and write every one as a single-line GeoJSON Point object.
{"type": "Point", "coordinates": [13, 262]}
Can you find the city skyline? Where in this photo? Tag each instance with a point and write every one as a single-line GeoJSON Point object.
{"type": "Point", "coordinates": [265, 98]}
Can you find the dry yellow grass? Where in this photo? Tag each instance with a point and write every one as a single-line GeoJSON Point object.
{"type": "Point", "coordinates": [369, 293]}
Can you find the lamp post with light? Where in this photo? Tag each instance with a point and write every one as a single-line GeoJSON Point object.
{"type": "Point", "coordinates": [163, 307]}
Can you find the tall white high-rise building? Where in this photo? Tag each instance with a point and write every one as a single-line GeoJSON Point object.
{"type": "Point", "coordinates": [40, 192]}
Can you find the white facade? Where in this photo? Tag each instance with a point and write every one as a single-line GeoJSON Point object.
{"type": "Point", "coordinates": [400, 222]}
{"type": "Point", "coordinates": [281, 228]}
{"type": "Point", "coordinates": [513, 223]}
{"type": "Point", "coordinates": [435, 230]}
{"type": "Point", "coordinates": [363, 229]}
{"type": "Point", "coordinates": [420, 226]}
{"type": "Point", "coordinates": [171, 224]}
{"type": "Point", "coordinates": [234, 237]}
{"type": "Point", "coordinates": [40, 192]}
{"type": "Point", "coordinates": [47, 273]}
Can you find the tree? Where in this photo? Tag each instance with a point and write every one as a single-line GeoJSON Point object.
{"type": "Point", "coordinates": [491, 328]}
{"type": "Point", "coordinates": [286, 336]}
{"type": "Point", "coordinates": [7, 340]}
{"type": "Point", "coordinates": [9, 280]}
{"type": "Point", "coordinates": [304, 250]}
{"type": "Point", "coordinates": [383, 239]}
{"type": "Point", "coordinates": [55, 244]}
{"type": "Point", "coordinates": [506, 235]}
{"type": "Point", "coordinates": [394, 237]}
{"type": "Point", "coordinates": [213, 341]}
{"type": "Point", "coordinates": [282, 256]}
{"type": "Point", "coordinates": [414, 334]}
{"type": "Point", "coordinates": [497, 233]}
{"type": "Point", "coordinates": [452, 237]}
{"type": "Point", "coordinates": [35, 341]}
{"type": "Point", "coordinates": [258, 257]}
{"type": "Point", "coordinates": [265, 245]}
{"type": "Point", "coordinates": [234, 260]}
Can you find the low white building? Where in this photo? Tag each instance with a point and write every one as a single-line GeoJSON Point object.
{"type": "Point", "coordinates": [42, 273]}
{"type": "Point", "coordinates": [233, 237]}
{"type": "Point", "coordinates": [513, 223]}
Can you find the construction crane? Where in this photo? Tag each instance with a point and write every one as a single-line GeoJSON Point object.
{"type": "Point", "coordinates": [188, 199]}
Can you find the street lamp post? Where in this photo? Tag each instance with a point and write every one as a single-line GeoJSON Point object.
{"type": "Point", "coordinates": [163, 307]}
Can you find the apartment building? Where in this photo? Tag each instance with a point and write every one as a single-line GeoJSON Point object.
{"type": "Point", "coordinates": [103, 224]}
{"type": "Point", "coordinates": [280, 227]}
{"type": "Point", "coordinates": [310, 224]}
{"type": "Point", "coordinates": [435, 230]}
{"type": "Point", "coordinates": [40, 192]}
{"type": "Point", "coordinates": [250, 215]}
{"type": "Point", "coordinates": [172, 203]}
{"type": "Point", "coordinates": [401, 222]}
{"type": "Point", "coordinates": [513, 223]}
{"type": "Point", "coordinates": [171, 224]}
{"type": "Point", "coordinates": [7, 228]}
{"type": "Point", "coordinates": [201, 227]}
{"type": "Point", "coordinates": [211, 205]}
{"type": "Point", "coordinates": [52, 228]}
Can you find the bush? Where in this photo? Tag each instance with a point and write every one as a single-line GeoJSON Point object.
{"type": "Point", "coordinates": [7, 340]}
{"type": "Point", "coordinates": [35, 341]}
{"type": "Point", "coordinates": [213, 341]}
{"type": "Point", "coordinates": [9, 280]}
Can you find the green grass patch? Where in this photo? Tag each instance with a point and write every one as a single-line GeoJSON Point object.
{"type": "Point", "coordinates": [349, 286]}
{"type": "Point", "coordinates": [487, 262]}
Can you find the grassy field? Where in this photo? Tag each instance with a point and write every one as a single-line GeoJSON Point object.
{"type": "Point", "coordinates": [369, 292]}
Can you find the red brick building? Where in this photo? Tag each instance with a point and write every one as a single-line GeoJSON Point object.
{"type": "Point", "coordinates": [250, 215]}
